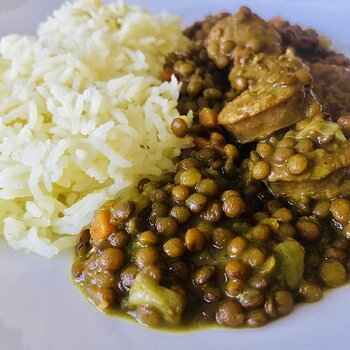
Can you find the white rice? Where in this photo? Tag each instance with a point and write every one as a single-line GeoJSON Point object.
{"type": "Point", "coordinates": [83, 114]}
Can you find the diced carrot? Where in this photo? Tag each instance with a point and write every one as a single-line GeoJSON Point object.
{"type": "Point", "coordinates": [278, 22]}
{"type": "Point", "coordinates": [101, 227]}
{"type": "Point", "coordinates": [167, 73]}
{"type": "Point", "coordinates": [107, 205]}
{"type": "Point", "coordinates": [208, 118]}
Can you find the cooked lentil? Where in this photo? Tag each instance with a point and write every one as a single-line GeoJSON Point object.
{"type": "Point", "coordinates": [216, 242]}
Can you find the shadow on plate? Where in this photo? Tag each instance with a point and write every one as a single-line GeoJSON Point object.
{"type": "Point", "coordinates": [11, 338]}
{"type": "Point", "coordinates": [10, 4]}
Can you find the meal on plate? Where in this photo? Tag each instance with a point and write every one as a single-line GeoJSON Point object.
{"type": "Point", "coordinates": [203, 175]}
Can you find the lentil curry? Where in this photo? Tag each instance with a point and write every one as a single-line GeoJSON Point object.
{"type": "Point", "coordinates": [257, 216]}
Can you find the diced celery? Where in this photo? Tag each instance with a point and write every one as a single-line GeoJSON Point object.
{"type": "Point", "coordinates": [290, 261]}
{"type": "Point", "coordinates": [145, 291]}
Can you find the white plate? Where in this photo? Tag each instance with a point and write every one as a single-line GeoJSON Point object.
{"type": "Point", "coordinates": [41, 310]}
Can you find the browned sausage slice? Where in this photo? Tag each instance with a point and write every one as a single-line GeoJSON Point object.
{"type": "Point", "coordinates": [273, 99]}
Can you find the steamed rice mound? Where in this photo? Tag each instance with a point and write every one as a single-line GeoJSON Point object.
{"type": "Point", "coordinates": [83, 115]}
